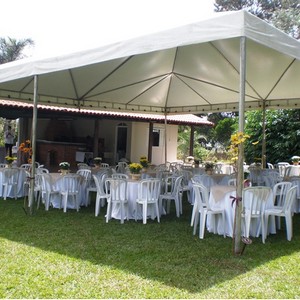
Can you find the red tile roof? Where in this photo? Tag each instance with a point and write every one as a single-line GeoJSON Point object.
{"type": "Point", "coordinates": [189, 119]}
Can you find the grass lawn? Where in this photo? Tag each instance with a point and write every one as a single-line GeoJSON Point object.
{"type": "Point", "coordinates": [76, 255]}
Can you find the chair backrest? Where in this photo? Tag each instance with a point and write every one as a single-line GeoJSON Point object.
{"type": "Point", "coordinates": [121, 167]}
{"type": "Point", "coordinates": [292, 171]}
{"type": "Point", "coordinates": [281, 167]}
{"type": "Point", "coordinates": [104, 166]}
{"type": "Point", "coordinates": [83, 166]}
{"type": "Point", "coordinates": [296, 182]}
{"type": "Point", "coordinates": [149, 189]}
{"type": "Point", "coordinates": [2, 166]}
{"type": "Point", "coordinates": [46, 180]}
{"type": "Point", "coordinates": [231, 181]}
{"type": "Point", "coordinates": [41, 170]}
{"type": "Point", "coordinates": [100, 182]}
{"type": "Point", "coordinates": [270, 166]}
{"type": "Point", "coordinates": [201, 196]}
{"type": "Point", "coordinates": [119, 176]}
{"type": "Point", "coordinates": [26, 166]}
{"type": "Point", "coordinates": [255, 198]}
{"type": "Point", "coordinates": [10, 176]}
{"type": "Point", "coordinates": [116, 189]}
{"type": "Point", "coordinates": [289, 200]}
{"type": "Point", "coordinates": [86, 173]}
{"type": "Point", "coordinates": [71, 183]}
{"type": "Point", "coordinates": [279, 192]}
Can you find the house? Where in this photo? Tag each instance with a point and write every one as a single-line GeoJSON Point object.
{"type": "Point", "coordinates": [78, 135]}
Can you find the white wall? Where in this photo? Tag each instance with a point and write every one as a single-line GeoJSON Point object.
{"type": "Point", "coordinates": [139, 142]}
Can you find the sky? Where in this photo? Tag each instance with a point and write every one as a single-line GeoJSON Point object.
{"type": "Point", "coordinates": [59, 27]}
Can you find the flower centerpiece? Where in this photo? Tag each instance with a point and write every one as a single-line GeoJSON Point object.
{"type": "Point", "coordinates": [97, 161]}
{"type": "Point", "coordinates": [64, 167]}
{"type": "Point", "coordinates": [144, 161]}
{"type": "Point", "coordinates": [135, 169]}
{"type": "Point", "coordinates": [209, 166]}
{"type": "Point", "coordinates": [295, 159]}
{"type": "Point", "coordinates": [10, 159]}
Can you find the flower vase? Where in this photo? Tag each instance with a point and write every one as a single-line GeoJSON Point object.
{"type": "Point", "coordinates": [64, 172]}
{"type": "Point", "coordinates": [135, 176]}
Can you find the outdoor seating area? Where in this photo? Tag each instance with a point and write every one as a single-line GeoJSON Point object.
{"type": "Point", "coordinates": [117, 194]}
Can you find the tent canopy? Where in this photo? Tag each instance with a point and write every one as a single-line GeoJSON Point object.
{"type": "Point", "coordinates": [189, 69]}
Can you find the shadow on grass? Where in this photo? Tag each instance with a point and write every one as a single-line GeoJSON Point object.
{"type": "Point", "coordinates": [165, 252]}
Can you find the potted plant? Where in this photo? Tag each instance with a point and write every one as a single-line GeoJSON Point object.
{"type": "Point", "coordinates": [295, 159]}
{"type": "Point", "coordinates": [10, 160]}
{"type": "Point", "coordinates": [64, 167]}
{"type": "Point", "coordinates": [97, 161]}
{"type": "Point", "coordinates": [209, 167]}
{"type": "Point", "coordinates": [135, 169]}
{"type": "Point", "coordinates": [144, 162]}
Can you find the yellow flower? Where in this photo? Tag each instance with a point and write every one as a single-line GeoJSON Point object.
{"type": "Point", "coordinates": [135, 168]}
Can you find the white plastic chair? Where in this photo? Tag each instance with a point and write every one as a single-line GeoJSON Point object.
{"type": "Point", "coordinates": [119, 176]}
{"type": "Point", "coordinates": [100, 189]}
{"type": "Point", "coordinates": [148, 194]}
{"type": "Point", "coordinates": [27, 167]}
{"type": "Point", "coordinates": [281, 168]}
{"type": "Point", "coordinates": [2, 166]}
{"type": "Point", "coordinates": [104, 166]}
{"type": "Point", "coordinates": [47, 190]}
{"type": "Point", "coordinates": [71, 185]}
{"type": "Point", "coordinates": [116, 189]}
{"type": "Point", "coordinates": [173, 195]}
{"type": "Point", "coordinates": [121, 167]}
{"type": "Point", "coordinates": [232, 182]}
{"type": "Point", "coordinates": [10, 179]}
{"type": "Point", "coordinates": [291, 171]}
{"type": "Point", "coordinates": [254, 202]}
{"type": "Point", "coordinates": [203, 209]}
{"type": "Point", "coordinates": [279, 193]}
{"type": "Point", "coordinates": [284, 211]}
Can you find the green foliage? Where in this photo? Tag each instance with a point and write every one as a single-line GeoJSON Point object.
{"type": "Point", "coordinates": [184, 134]}
{"type": "Point", "coordinates": [12, 49]}
{"type": "Point", "coordinates": [282, 135]}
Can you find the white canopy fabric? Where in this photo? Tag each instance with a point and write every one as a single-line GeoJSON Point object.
{"type": "Point", "coordinates": [191, 69]}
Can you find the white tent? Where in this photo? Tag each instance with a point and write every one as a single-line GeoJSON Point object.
{"type": "Point", "coordinates": [233, 61]}
{"type": "Point", "coordinates": [193, 68]}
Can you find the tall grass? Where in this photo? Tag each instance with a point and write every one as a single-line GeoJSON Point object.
{"type": "Point", "coordinates": [76, 255]}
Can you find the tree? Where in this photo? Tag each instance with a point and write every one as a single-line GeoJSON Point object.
{"type": "Point", "coordinates": [12, 49]}
{"type": "Point", "coordinates": [283, 14]}
{"type": "Point", "coordinates": [282, 135]}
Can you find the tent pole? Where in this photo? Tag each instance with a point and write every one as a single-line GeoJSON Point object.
{"type": "Point", "coordinates": [263, 154]}
{"type": "Point", "coordinates": [240, 162]}
{"type": "Point", "coordinates": [166, 153]}
{"type": "Point", "coordinates": [33, 145]}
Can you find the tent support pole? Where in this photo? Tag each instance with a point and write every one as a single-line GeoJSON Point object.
{"type": "Point", "coordinates": [166, 152]}
{"type": "Point", "coordinates": [192, 136]}
{"type": "Point", "coordinates": [150, 141]}
{"type": "Point", "coordinates": [263, 155]}
{"type": "Point", "coordinates": [33, 145]}
{"type": "Point", "coordinates": [240, 162]}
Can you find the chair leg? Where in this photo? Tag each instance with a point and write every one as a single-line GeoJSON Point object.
{"type": "Point", "coordinates": [202, 225]}
{"type": "Point", "coordinates": [108, 211]}
{"type": "Point", "coordinates": [97, 206]}
{"type": "Point", "coordinates": [289, 226]}
{"type": "Point", "coordinates": [157, 212]}
{"type": "Point", "coordinates": [196, 220]}
{"type": "Point", "coordinates": [145, 213]}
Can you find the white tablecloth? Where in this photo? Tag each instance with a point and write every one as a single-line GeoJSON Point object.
{"type": "Point", "coordinates": [220, 198]}
{"type": "Point", "coordinates": [20, 190]}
